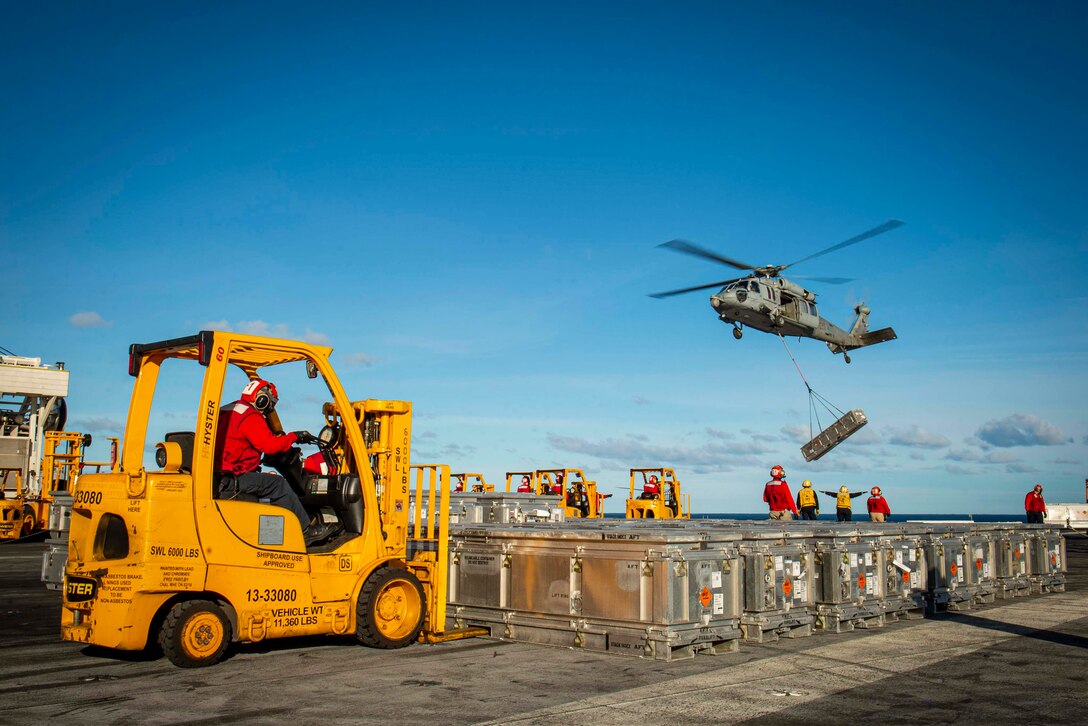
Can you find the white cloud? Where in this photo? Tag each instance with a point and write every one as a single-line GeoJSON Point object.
{"type": "Point", "coordinates": [89, 319]}
{"type": "Point", "coordinates": [314, 338]}
{"type": "Point", "coordinates": [628, 452]}
{"type": "Point", "coordinates": [92, 424]}
{"type": "Point", "coordinates": [260, 327]}
{"type": "Point", "coordinates": [267, 330]}
{"type": "Point", "coordinates": [640, 401]}
{"type": "Point", "coordinates": [797, 433]}
{"type": "Point", "coordinates": [1021, 429]}
{"type": "Point", "coordinates": [359, 359]}
{"type": "Point", "coordinates": [917, 437]}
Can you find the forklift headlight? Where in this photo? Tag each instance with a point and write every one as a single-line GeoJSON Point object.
{"type": "Point", "coordinates": [168, 456]}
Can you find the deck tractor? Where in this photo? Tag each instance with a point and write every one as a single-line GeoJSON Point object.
{"type": "Point", "coordinates": [155, 556]}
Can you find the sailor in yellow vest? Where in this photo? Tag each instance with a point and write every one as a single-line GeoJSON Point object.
{"type": "Point", "coordinates": [843, 510]}
{"type": "Point", "coordinates": [807, 501]}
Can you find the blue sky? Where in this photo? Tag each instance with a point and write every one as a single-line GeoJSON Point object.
{"type": "Point", "coordinates": [465, 202]}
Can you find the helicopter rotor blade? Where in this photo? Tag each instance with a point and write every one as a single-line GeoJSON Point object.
{"type": "Point", "coordinates": [828, 280]}
{"type": "Point", "coordinates": [688, 248]}
{"type": "Point", "coordinates": [681, 291]}
{"type": "Point", "coordinates": [880, 229]}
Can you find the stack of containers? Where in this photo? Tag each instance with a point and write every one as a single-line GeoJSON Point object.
{"type": "Point", "coordinates": [1010, 543]}
{"type": "Point", "coordinates": [670, 589]}
{"type": "Point", "coordinates": [1046, 559]}
{"type": "Point", "coordinates": [779, 582]}
{"type": "Point", "coordinates": [662, 594]}
{"type": "Point", "coordinates": [849, 578]}
{"type": "Point", "coordinates": [979, 541]}
{"type": "Point", "coordinates": [946, 580]}
{"type": "Point", "coordinates": [905, 571]}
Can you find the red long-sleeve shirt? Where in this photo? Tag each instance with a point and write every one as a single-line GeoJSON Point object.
{"type": "Point", "coordinates": [879, 505]}
{"type": "Point", "coordinates": [778, 497]}
{"type": "Point", "coordinates": [1034, 502]}
{"type": "Point", "coordinates": [243, 436]}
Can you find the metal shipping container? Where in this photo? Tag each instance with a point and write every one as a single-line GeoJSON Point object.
{"type": "Point", "coordinates": [850, 583]}
{"type": "Point", "coordinates": [599, 586]}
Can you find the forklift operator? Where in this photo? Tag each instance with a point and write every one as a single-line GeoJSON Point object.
{"type": "Point", "coordinates": [243, 436]}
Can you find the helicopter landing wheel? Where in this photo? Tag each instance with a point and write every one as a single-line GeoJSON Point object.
{"type": "Point", "coordinates": [846, 358]}
{"type": "Point", "coordinates": [738, 333]}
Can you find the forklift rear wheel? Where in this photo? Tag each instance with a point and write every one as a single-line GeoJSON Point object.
{"type": "Point", "coordinates": [195, 634]}
{"type": "Point", "coordinates": [390, 610]}
{"type": "Point", "coordinates": [29, 522]}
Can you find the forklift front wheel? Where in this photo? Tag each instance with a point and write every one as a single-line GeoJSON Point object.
{"type": "Point", "coordinates": [195, 634]}
{"type": "Point", "coordinates": [390, 610]}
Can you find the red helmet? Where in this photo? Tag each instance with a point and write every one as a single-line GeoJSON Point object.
{"type": "Point", "coordinates": [323, 463]}
{"type": "Point", "coordinates": [875, 491]}
{"type": "Point", "coordinates": [777, 472]}
{"type": "Point", "coordinates": [653, 478]}
{"type": "Point", "coordinates": [261, 395]}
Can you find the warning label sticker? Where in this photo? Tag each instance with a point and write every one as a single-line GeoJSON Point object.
{"type": "Point", "coordinates": [705, 597]}
{"type": "Point", "coordinates": [787, 587]}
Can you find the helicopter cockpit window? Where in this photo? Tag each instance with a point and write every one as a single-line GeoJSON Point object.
{"type": "Point", "coordinates": [753, 286]}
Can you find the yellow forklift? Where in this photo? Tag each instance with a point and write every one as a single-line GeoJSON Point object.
{"type": "Point", "coordinates": [23, 513]}
{"type": "Point", "coordinates": [154, 555]}
{"type": "Point", "coordinates": [576, 494]}
{"type": "Point", "coordinates": [660, 496]}
{"type": "Point", "coordinates": [470, 482]}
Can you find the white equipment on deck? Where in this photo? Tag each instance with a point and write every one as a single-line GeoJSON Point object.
{"type": "Point", "coordinates": [31, 403]}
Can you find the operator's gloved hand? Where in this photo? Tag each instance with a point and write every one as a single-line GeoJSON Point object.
{"type": "Point", "coordinates": [305, 437]}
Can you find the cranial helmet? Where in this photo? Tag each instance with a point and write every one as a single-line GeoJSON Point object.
{"type": "Point", "coordinates": [1038, 487]}
{"type": "Point", "coordinates": [777, 472]}
{"type": "Point", "coordinates": [875, 491]}
{"type": "Point", "coordinates": [653, 479]}
{"type": "Point", "coordinates": [525, 480]}
{"type": "Point", "coordinates": [261, 395]}
{"type": "Point", "coordinates": [806, 484]}
{"type": "Point", "coordinates": [843, 489]}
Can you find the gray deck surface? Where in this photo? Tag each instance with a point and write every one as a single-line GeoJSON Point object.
{"type": "Point", "coordinates": [1021, 662]}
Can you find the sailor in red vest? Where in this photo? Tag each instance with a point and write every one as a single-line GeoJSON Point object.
{"type": "Point", "coordinates": [243, 436]}
{"type": "Point", "coordinates": [557, 487]}
{"type": "Point", "coordinates": [777, 495]}
{"type": "Point", "coordinates": [1034, 505]}
{"type": "Point", "coordinates": [526, 486]}
{"type": "Point", "coordinates": [879, 510]}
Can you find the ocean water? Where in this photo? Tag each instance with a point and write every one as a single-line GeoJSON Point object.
{"type": "Point", "coordinates": [863, 516]}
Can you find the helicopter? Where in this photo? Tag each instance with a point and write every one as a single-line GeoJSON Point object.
{"type": "Point", "coordinates": [766, 301]}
